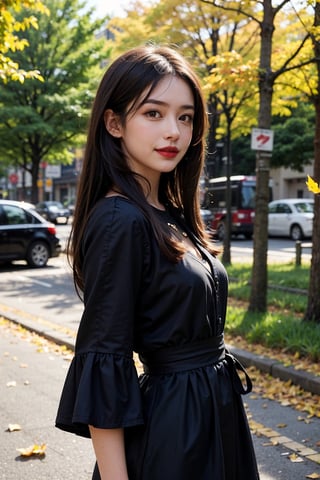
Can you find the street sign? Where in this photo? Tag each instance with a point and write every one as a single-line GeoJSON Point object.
{"type": "Point", "coordinates": [53, 171]}
{"type": "Point", "coordinates": [262, 139]}
{"type": "Point", "coordinates": [48, 185]}
{"type": "Point", "coordinates": [13, 178]}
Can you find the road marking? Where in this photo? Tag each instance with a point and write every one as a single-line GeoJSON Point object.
{"type": "Point", "coordinates": [275, 438]}
{"type": "Point", "coordinates": [33, 280]}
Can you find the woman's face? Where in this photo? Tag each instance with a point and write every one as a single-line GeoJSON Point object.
{"type": "Point", "coordinates": [157, 135]}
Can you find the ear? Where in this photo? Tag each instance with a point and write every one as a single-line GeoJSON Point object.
{"type": "Point", "coordinates": [112, 123]}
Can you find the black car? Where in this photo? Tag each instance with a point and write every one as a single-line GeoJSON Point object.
{"type": "Point", "coordinates": [207, 217]}
{"type": "Point", "coordinates": [25, 235]}
{"type": "Point", "coordinates": [53, 211]}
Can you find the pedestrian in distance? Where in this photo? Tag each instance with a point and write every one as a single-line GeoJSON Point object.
{"type": "Point", "coordinates": [151, 284]}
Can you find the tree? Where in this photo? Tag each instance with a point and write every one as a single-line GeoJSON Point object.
{"type": "Point", "coordinates": [313, 307]}
{"type": "Point", "coordinates": [43, 121]}
{"type": "Point", "coordinates": [306, 84]}
{"type": "Point", "coordinates": [231, 81]}
{"type": "Point", "coordinates": [10, 41]}
{"type": "Point", "coordinates": [264, 15]}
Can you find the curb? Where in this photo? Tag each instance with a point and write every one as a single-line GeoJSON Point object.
{"type": "Point", "coordinates": [305, 380]}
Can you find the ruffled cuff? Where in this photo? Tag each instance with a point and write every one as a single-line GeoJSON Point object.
{"type": "Point", "coordinates": [101, 389]}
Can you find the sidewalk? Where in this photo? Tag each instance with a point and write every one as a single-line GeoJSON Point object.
{"type": "Point", "coordinates": [62, 336]}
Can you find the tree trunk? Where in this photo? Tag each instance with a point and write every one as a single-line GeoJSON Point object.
{"type": "Point", "coordinates": [258, 295]}
{"type": "Point", "coordinates": [313, 307]}
{"type": "Point", "coordinates": [226, 256]}
{"type": "Point", "coordinates": [212, 160]}
{"type": "Point", "coordinates": [35, 177]}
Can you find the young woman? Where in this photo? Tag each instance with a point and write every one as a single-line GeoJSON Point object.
{"type": "Point", "coordinates": [151, 284]}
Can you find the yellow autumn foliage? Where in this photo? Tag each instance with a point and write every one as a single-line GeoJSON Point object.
{"type": "Point", "coordinates": [10, 41]}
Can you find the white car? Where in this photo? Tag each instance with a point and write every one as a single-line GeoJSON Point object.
{"type": "Point", "coordinates": [291, 217]}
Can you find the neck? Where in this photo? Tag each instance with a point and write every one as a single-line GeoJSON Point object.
{"type": "Point", "coordinates": [154, 202]}
{"type": "Point", "coordinates": [152, 195]}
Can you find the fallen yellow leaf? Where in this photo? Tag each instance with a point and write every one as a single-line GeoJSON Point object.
{"type": "Point", "coordinates": [33, 450]}
{"type": "Point", "coordinates": [295, 458]}
{"type": "Point", "coordinates": [313, 475]}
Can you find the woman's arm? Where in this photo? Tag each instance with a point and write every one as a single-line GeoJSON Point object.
{"type": "Point", "coordinates": [108, 445]}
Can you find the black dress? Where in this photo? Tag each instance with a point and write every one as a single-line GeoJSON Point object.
{"type": "Point", "coordinates": [183, 418]}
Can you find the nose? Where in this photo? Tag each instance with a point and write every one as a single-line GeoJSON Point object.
{"type": "Point", "coordinates": [172, 129]}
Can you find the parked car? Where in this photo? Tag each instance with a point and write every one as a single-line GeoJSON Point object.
{"type": "Point", "coordinates": [70, 205]}
{"type": "Point", "coordinates": [207, 218]}
{"type": "Point", "coordinates": [53, 211]}
{"type": "Point", "coordinates": [291, 217]}
{"type": "Point", "coordinates": [25, 235]}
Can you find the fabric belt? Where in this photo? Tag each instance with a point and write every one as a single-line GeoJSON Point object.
{"type": "Point", "coordinates": [179, 358]}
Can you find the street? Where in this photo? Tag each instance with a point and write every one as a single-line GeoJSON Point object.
{"type": "Point", "coordinates": [33, 371]}
{"type": "Point", "coordinates": [279, 249]}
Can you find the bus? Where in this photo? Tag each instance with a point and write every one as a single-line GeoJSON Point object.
{"type": "Point", "coordinates": [243, 191]}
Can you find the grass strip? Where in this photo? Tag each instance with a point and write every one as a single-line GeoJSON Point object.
{"type": "Point", "coordinates": [282, 326]}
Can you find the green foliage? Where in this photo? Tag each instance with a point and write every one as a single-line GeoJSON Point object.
{"type": "Point", "coordinates": [293, 138]}
{"type": "Point", "coordinates": [293, 142]}
{"type": "Point", "coordinates": [43, 121]}
{"type": "Point", "coordinates": [243, 157]}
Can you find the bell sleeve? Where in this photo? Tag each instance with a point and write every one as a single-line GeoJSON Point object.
{"type": "Point", "coordinates": [102, 387]}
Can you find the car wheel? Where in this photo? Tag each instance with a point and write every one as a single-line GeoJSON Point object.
{"type": "Point", "coordinates": [296, 232]}
{"type": "Point", "coordinates": [38, 254]}
{"type": "Point", "coordinates": [221, 231]}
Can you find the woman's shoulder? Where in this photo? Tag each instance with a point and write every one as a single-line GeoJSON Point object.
{"type": "Point", "coordinates": [117, 210]}
{"type": "Point", "coordinates": [117, 204]}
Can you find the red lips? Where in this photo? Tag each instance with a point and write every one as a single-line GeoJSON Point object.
{"type": "Point", "coordinates": [168, 152]}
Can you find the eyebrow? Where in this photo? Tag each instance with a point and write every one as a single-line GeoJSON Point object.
{"type": "Point", "coordinates": [159, 102]}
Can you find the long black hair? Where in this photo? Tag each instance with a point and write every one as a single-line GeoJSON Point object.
{"type": "Point", "coordinates": [133, 75]}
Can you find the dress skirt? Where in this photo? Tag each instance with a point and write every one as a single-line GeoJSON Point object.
{"type": "Point", "coordinates": [195, 424]}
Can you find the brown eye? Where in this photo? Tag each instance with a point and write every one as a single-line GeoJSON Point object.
{"type": "Point", "coordinates": [187, 118]}
{"type": "Point", "coordinates": [153, 114]}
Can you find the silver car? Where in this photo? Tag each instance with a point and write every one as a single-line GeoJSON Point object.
{"type": "Point", "coordinates": [291, 217]}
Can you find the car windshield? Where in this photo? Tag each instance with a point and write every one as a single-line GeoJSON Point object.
{"type": "Point", "coordinates": [55, 205]}
{"type": "Point", "coordinates": [304, 207]}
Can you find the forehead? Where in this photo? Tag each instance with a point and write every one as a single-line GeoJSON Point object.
{"type": "Point", "coordinates": [170, 89]}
